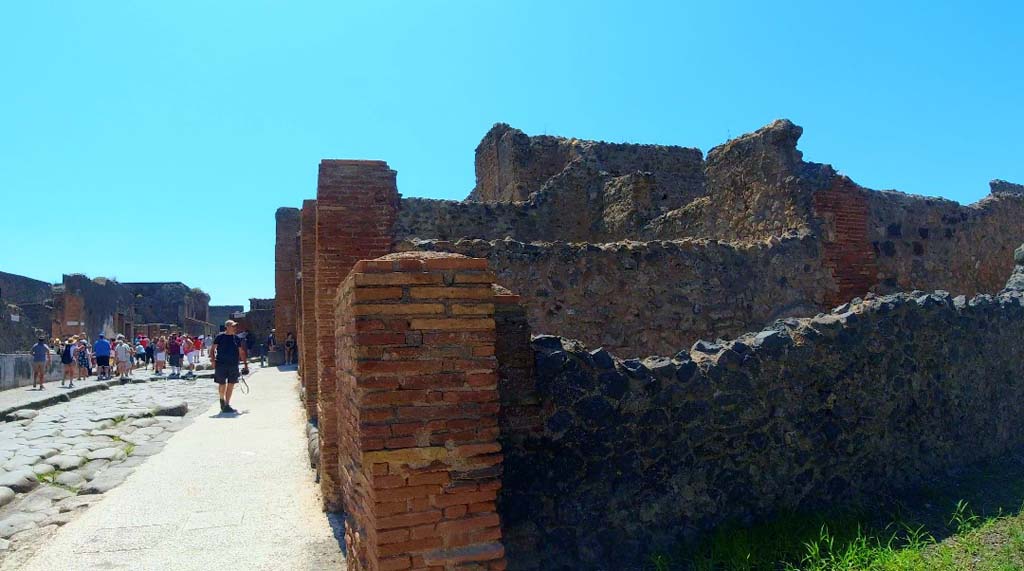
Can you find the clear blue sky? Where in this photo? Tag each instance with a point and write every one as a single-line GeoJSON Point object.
{"type": "Point", "coordinates": [152, 141]}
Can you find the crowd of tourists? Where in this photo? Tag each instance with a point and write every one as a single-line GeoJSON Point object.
{"type": "Point", "coordinates": [103, 358]}
{"type": "Point", "coordinates": [81, 358]}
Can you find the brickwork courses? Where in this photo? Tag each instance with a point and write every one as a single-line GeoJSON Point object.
{"type": "Point", "coordinates": [286, 264]}
{"type": "Point", "coordinates": [355, 212]}
{"type": "Point", "coordinates": [307, 310]}
{"type": "Point", "coordinates": [417, 402]}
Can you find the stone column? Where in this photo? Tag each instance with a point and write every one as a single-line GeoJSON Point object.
{"type": "Point", "coordinates": [356, 207]}
{"type": "Point", "coordinates": [417, 395]}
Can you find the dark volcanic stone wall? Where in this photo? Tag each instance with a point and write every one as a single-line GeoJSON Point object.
{"type": "Point", "coordinates": [633, 456]}
{"type": "Point", "coordinates": [19, 289]}
{"type": "Point", "coordinates": [640, 297]}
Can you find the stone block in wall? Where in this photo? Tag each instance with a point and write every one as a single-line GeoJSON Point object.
{"type": "Point", "coordinates": [417, 402]}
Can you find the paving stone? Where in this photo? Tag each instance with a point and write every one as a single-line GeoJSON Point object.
{"type": "Point", "coordinates": [4, 544]}
{"type": "Point", "coordinates": [20, 462]}
{"type": "Point", "coordinates": [41, 452]}
{"type": "Point", "coordinates": [66, 461]}
{"type": "Point", "coordinates": [20, 481]}
{"type": "Point", "coordinates": [148, 449]}
{"type": "Point", "coordinates": [106, 481]}
{"type": "Point", "coordinates": [178, 408]}
{"type": "Point", "coordinates": [93, 468]}
{"type": "Point", "coordinates": [144, 422]}
{"type": "Point", "coordinates": [70, 479]}
{"type": "Point", "coordinates": [150, 431]}
{"type": "Point", "coordinates": [42, 469]}
{"type": "Point", "coordinates": [37, 434]}
{"type": "Point", "coordinates": [52, 493]}
{"type": "Point", "coordinates": [15, 523]}
{"type": "Point", "coordinates": [6, 496]}
{"type": "Point", "coordinates": [76, 503]}
{"type": "Point", "coordinates": [107, 454]}
{"type": "Point", "coordinates": [24, 414]}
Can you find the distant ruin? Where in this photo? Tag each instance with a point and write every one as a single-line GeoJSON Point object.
{"type": "Point", "coordinates": [83, 306]}
{"type": "Point", "coordinates": [644, 267]}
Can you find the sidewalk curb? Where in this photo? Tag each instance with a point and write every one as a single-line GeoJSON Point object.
{"type": "Point", "coordinates": [93, 386]}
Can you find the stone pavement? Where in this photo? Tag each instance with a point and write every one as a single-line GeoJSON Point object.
{"type": "Point", "coordinates": [227, 492]}
{"type": "Point", "coordinates": [29, 398]}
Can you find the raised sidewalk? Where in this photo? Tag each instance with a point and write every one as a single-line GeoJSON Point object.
{"type": "Point", "coordinates": [227, 492]}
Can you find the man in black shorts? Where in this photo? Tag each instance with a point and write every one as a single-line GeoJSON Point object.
{"type": "Point", "coordinates": [227, 350]}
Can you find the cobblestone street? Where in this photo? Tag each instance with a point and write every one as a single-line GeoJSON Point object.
{"type": "Point", "coordinates": [56, 461]}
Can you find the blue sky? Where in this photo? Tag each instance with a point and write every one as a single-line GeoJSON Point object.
{"type": "Point", "coordinates": [152, 141]}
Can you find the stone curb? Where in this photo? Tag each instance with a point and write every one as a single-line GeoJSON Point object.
{"type": "Point", "coordinates": [67, 395]}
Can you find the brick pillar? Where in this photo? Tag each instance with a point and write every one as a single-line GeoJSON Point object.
{"type": "Point", "coordinates": [307, 343]}
{"type": "Point", "coordinates": [843, 208]}
{"type": "Point", "coordinates": [420, 461]}
{"type": "Point", "coordinates": [356, 206]}
{"type": "Point", "coordinates": [285, 266]}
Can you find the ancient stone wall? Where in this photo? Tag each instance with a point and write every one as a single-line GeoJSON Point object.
{"type": "Point", "coordinates": [639, 297]}
{"type": "Point", "coordinates": [221, 313]}
{"type": "Point", "coordinates": [417, 407]}
{"type": "Point", "coordinates": [932, 243]}
{"type": "Point", "coordinates": [20, 289]}
{"type": "Point", "coordinates": [355, 212]}
{"type": "Point", "coordinates": [286, 265]}
{"type": "Point", "coordinates": [632, 456]}
{"type": "Point", "coordinates": [169, 302]}
{"type": "Point", "coordinates": [89, 307]}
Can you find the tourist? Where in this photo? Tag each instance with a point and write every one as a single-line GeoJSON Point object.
{"type": "Point", "coordinates": [40, 360]}
{"type": "Point", "coordinates": [191, 351]}
{"type": "Point", "coordinates": [160, 355]}
{"type": "Point", "coordinates": [67, 358]}
{"type": "Point", "coordinates": [174, 354]}
{"type": "Point", "coordinates": [225, 352]}
{"type": "Point", "coordinates": [148, 344]}
{"type": "Point", "coordinates": [140, 355]}
{"type": "Point", "coordinates": [122, 354]}
{"type": "Point", "coordinates": [82, 357]}
{"type": "Point", "coordinates": [272, 341]}
{"type": "Point", "coordinates": [102, 351]}
{"type": "Point", "coordinates": [289, 349]}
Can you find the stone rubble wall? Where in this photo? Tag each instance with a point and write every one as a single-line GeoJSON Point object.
{"type": "Point", "coordinates": [16, 370]}
{"type": "Point", "coordinates": [629, 456]}
{"type": "Point", "coordinates": [637, 297]}
{"type": "Point", "coordinates": [933, 243]}
{"type": "Point", "coordinates": [20, 289]}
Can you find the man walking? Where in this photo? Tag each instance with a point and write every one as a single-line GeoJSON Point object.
{"type": "Point", "coordinates": [101, 350]}
{"type": "Point", "coordinates": [40, 360]}
{"type": "Point", "coordinates": [123, 354]}
{"type": "Point", "coordinates": [227, 350]}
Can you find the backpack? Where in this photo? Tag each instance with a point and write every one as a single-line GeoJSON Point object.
{"type": "Point", "coordinates": [65, 357]}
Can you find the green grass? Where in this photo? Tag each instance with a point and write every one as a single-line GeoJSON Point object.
{"type": "Point", "coordinates": [845, 543]}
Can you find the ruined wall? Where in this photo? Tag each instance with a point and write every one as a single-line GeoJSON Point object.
{"type": "Point", "coordinates": [286, 265]}
{"type": "Point", "coordinates": [17, 331]}
{"type": "Point", "coordinates": [933, 243]}
{"type": "Point", "coordinates": [639, 297]}
{"type": "Point", "coordinates": [169, 302]}
{"type": "Point", "coordinates": [20, 289]}
{"type": "Point", "coordinates": [632, 456]}
{"type": "Point", "coordinates": [307, 311]}
{"type": "Point", "coordinates": [221, 313]}
{"type": "Point", "coordinates": [355, 212]}
{"type": "Point", "coordinates": [92, 306]}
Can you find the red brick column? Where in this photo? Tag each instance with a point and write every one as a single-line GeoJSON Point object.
{"type": "Point", "coordinates": [420, 461]}
{"type": "Point", "coordinates": [285, 265]}
{"type": "Point", "coordinates": [356, 206]}
{"type": "Point", "coordinates": [307, 310]}
{"type": "Point", "coordinates": [848, 253]}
